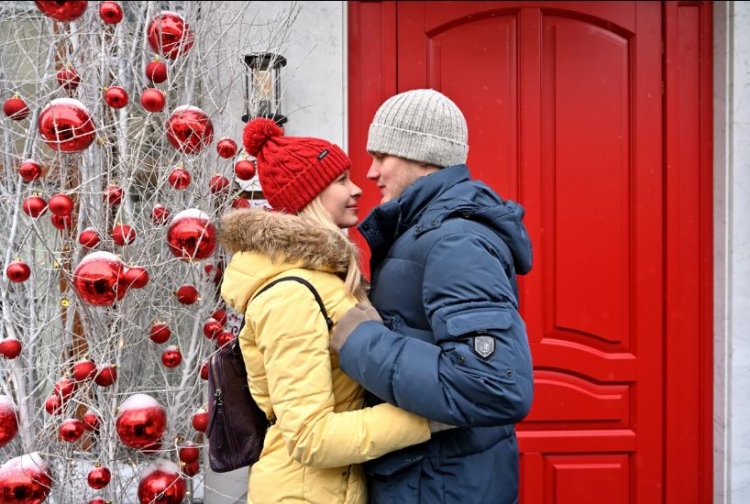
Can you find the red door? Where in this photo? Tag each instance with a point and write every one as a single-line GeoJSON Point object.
{"type": "Point", "coordinates": [566, 115]}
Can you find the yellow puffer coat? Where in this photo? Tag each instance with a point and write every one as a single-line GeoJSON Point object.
{"type": "Point", "coordinates": [311, 453]}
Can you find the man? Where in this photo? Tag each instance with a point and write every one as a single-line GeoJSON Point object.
{"type": "Point", "coordinates": [451, 346]}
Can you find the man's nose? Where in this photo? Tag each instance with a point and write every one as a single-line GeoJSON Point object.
{"type": "Point", "coordinates": [373, 173]}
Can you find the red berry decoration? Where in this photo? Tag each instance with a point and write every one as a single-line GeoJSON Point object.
{"type": "Point", "coordinates": [99, 279]}
{"type": "Point", "coordinates": [26, 479]}
{"type": "Point", "coordinates": [141, 421]}
{"type": "Point", "coordinates": [179, 178]}
{"type": "Point", "coordinates": [116, 97]}
{"type": "Point", "coordinates": [191, 235]}
{"type": "Point", "coordinates": [156, 71]}
{"type": "Point", "coordinates": [187, 294]}
{"type": "Point", "coordinates": [160, 333]}
{"type": "Point", "coordinates": [71, 430]}
{"type": "Point", "coordinates": [8, 420]}
{"type": "Point", "coordinates": [84, 370]}
{"type": "Point", "coordinates": [110, 12]}
{"type": "Point", "coordinates": [244, 169]}
{"type": "Point", "coordinates": [60, 204]}
{"type": "Point", "coordinates": [89, 238]}
{"type": "Point", "coordinates": [160, 215]}
{"type": "Point", "coordinates": [136, 277]}
{"type": "Point", "coordinates": [200, 420]}
{"type": "Point", "coordinates": [62, 222]}
{"type": "Point", "coordinates": [99, 477]}
{"type": "Point", "coordinates": [30, 170]}
{"type": "Point", "coordinates": [226, 147]}
{"type": "Point", "coordinates": [68, 78]}
{"type": "Point", "coordinates": [113, 195]}
{"type": "Point", "coordinates": [18, 271]}
{"type": "Point", "coordinates": [66, 125]}
{"type": "Point", "coordinates": [106, 376]}
{"type": "Point", "coordinates": [15, 108]}
{"type": "Point", "coordinates": [62, 10]}
{"type": "Point", "coordinates": [218, 184]}
{"type": "Point", "coordinates": [122, 235]}
{"type": "Point", "coordinates": [169, 35]}
{"type": "Point", "coordinates": [189, 129]}
{"type": "Point", "coordinates": [34, 206]}
{"type": "Point", "coordinates": [171, 357]}
{"type": "Point", "coordinates": [10, 348]}
{"type": "Point", "coordinates": [162, 483]}
{"type": "Point", "coordinates": [153, 100]}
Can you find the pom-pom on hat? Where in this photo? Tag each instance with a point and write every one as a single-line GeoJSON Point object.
{"type": "Point", "coordinates": [292, 171]}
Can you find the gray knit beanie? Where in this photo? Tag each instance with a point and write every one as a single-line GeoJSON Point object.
{"type": "Point", "coordinates": [421, 125]}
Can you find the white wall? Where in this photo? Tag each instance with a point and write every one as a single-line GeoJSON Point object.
{"type": "Point", "coordinates": [313, 99]}
{"type": "Point", "coordinates": [732, 252]}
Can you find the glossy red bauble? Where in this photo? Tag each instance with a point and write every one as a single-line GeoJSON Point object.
{"type": "Point", "coordinates": [189, 129]}
{"type": "Point", "coordinates": [169, 35]}
{"type": "Point", "coordinates": [226, 147]}
{"type": "Point", "coordinates": [191, 235]}
{"type": "Point", "coordinates": [122, 235]}
{"type": "Point", "coordinates": [30, 170]}
{"type": "Point", "coordinates": [160, 215]}
{"type": "Point", "coordinates": [171, 357]}
{"type": "Point", "coordinates": [106, 376]}
{"type": "Point", "coordinates": [211, 328]}
{"type": "Point", "coordinates": [110, 12]}
{"type": "Point", "coordinates": [99, 477]}
{"type": "Point", "coordinates": [190, 468]}
{"type": "Point", "coordinates": [162, 484]}
{"type": "Point", "coordinates": [204, 370]}
{"type": "Point", "coordinates": [91, 420]}
{"type": "Point", "coordinates": [18, 271]}
{"type": "Point", "coordinates": [160, 333]}
{"type": "Point", "coordinates": [60, 204]}
{"type": "Point", "coordinates": [240, 203]}
{"type": "Point", "coordinates": [71, 430]}
{"type": "Point", "coordinates": [156, 71]}
{"type": "Point", "coordinates": [15, 108]}
{"type": "Point", "coordinates": [220, 315]}
{"type": "Point", "coordinates": [62, 10]}
{"type": "Point", "coordinates": [62, 222]}
{"type": "Point", "coordinates": [26, 479]}
{"type": "Point", "coordinates": [54, 405]}
{"type": "Point", "coordinates": [66, 125]}
{"type": "Point", "coordinates": [187, 294]}
{"type": "Point", "coordinates": [200, 420]}
{"type": "Point", "coordinates": [89, 238]}
{"type": "Point", "coordinates": [244, 169]}
{"type": "Point", "coordinates": [10, 347]}
{"type": "Point", "coordinates": [136, 277]}
{"type": "Point", "coordinates": [141, 421]}
{"type": "Point", "coordinates": [224, 338]}
{"type": "Point", "coordinates": [98, 279]}
{"type": "Point", "coordinates": [113, 195]}
{"type": "Point", "coordinates": [68, 78]}
{"type": "Point", "coordinates": [64, 388]}
{"type": "Point", "coordinates": [116, 97]}
{"type": "Point", "coordinates": [179, 178]}
{"type": "Point", "coordinates": [84, 369]}
{"type": "Point", "coordinates": [153, 100]}
{"type": "Point", "coordinates": [8, 420]}
{"type": "Point", "coordinates": [218, 184]}
{"type": "Point", "coordinates": [34, 206]}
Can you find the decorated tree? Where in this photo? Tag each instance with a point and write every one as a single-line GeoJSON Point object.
{"type": "Point", "coordinates": [119, 152]}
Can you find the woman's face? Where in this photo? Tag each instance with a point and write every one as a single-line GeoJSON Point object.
{"type": "Point", "coordinates": [340, 200]}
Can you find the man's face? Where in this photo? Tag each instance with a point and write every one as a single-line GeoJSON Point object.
{"type": "Point", "coordinates": [394, 174]}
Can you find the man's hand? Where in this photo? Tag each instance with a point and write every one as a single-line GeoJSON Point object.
{"type": "Point", "coordinates": [361, 312]}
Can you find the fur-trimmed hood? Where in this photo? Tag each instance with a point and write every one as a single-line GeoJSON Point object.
{"type": "Point", "coordinates": [285, 238]}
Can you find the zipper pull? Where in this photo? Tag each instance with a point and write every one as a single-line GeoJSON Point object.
{"type": "Point", "coordinates": [217, 397]}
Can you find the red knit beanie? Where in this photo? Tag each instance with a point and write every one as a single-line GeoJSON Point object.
{"type": "Point", "coordinates": [292, 170]}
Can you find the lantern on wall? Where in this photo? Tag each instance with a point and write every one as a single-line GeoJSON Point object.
{"type": "Point", "coordinates": [263, 87]}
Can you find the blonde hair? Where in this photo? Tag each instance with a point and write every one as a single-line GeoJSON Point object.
{"type": "Point", "coordinates": [315, 213]}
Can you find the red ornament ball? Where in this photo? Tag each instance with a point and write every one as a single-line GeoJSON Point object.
{"type": "Point", "coordinates": [91, 420]}
{"type": "Point", "coordinates": [26, 479]}
{"type": "Point", "coordinates": [60, 204]}
{"type": "Point", "coordinates": [8, 420]}
{"type": "Point", "coordinates": [160, 333]}
{"type": "Point", "coordinates": [98, 279]}
{"type": "Point", "coordinates": [244, 169]}
{"type": "Point", "coordinates": [187, 294]}
{"type": "Point", "coordinates": [64, 388]}
{"type": "Point", "coordinates": [189, 452]}
{"type": "Point", "coordinates": [179, 178]}
{"type": "Point", "coordinates": [62, 222]}
{"type": "Point", "coordinates": [106, 376]}
{"type": "Point", "coordinates": [54, 405]}
{"type": "Point", "coordinates": [240, 203]}
{"type": "Point", "coordinates": [218, 184]}
{"type": "Point", "coordinates": [171, 357]}
{"type": "Point", "coordinates": [153, 100]}
{"type": "Point", "coordinates": [162, 483]}
{"type": "Point", "coordinates": [220, 315]}
{"type": "Point", "coordinates": [136, 277]}
{"type": "Point", "coordinates": [89, 238]}
{"type": "Point", "coordinates": [68, 78]}
{"type": "Point", "coordinates": [160, 215]}
{"type": "Point", "coordinates": [141, 421]}
{"type": "Point", "coordinates": [226, 147]}
{"type": "Point", "coordinates": [189, 129]}
{"type": "Point", "coordinates": [156, 71]}
{"type": "Point", "coordinates": [30, 170]}
{"type": "Point", "coordinates": [224, 338]}
{"type": "Point", "coordinates": [62, 10]}
{"type": "Point", "coordinates": [204, 370]}
{"type": "Point", "coordinates": [116, 97]}
{"type": "Point", "coordinates": [122, 235]}
{"type": "Point", "coordinates": [34, 206]}
{"type": "Point", "coordinates": [190, 468]}
{"type": "Point", "coordinates": [18, 271]}
{"type": "Point", "coordinates": [191, 235]}
{"type": "Point", "coordinates": [169, 35]}
{"type": "Point", "coordinates": [66, 125]}
{"type": "Point", "coordinates": [110, 12]}
{"type": "Point", "coordinates": [10, 348]}
{"type": "Point", "coordinates": [212, 328]}
{"type": "Point", "coordinates": [84, 370]}
{"type": "Point", "coordinates": [113, 195]}
{"type": "Point", "coordinates": [200, 420]}
{"type": "Point", "coordinates": [71, 430]}
{"type": "Point", "coordinates": [15, 108]}
{"type": "Point", "coordinates": [99, 477]}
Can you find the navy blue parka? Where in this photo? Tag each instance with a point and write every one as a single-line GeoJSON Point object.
{"type": "Point", "coordinates": [452, 346]}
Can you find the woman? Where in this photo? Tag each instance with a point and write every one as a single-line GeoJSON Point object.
{"type": "Point", "coordinates": [321, 431]}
